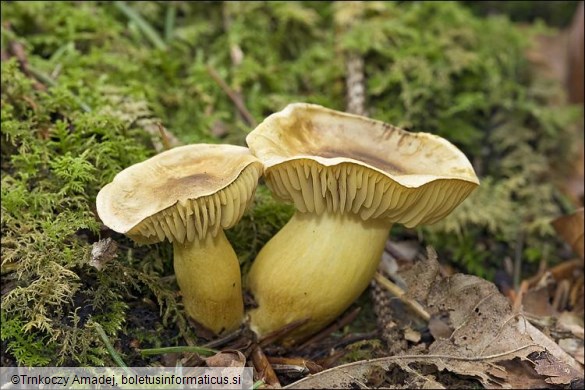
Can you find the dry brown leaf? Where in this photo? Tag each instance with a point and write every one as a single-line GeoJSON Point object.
{"type": "Point", "coordinates": [536, 302]}
{"type": "Point", "coordinates": [569, 321]}
{"type": "Point", "coordinates": [488, 341]}
{"type": "Point", "coordinates": [485, 333]}
{"type": "Point", "coordinates": [575, 57]}
{"type": "Point", "coordinates": [552, 347]}
{"type": "Point", "coordinates": [226, 359]}
{"type": "Point", "coordinates": [359, 373]}
{"type": "Point", "coordinates": [573, 347]}
{"type": "Point", "coordinates": [557, 372]}
{"type": "Point", "coordinates": [521, 374]}
{"type": "Point", "coordinates": [570, 228]}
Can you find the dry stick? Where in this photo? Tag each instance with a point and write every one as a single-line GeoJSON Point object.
{"type": "Point", "coordinates": [355, 88]}
{"type": "Point", "coordinates": [224, 340]}
{"type": "Point", "coordinates": [41, 79]}
{"type": "Point", "coordinates": [163, 137]}
{"type": "Point", "coordinates": [277, 334]}
{"type": "Point", "coordinates": [344, 342]}
{"type": "Point", "coordinates": [517, 306]}
{"type": "Point", "coordinates": [18, 50]}
{"type": "Point", "coordinates": [565, 270]}
{"type": "Point", "coordinates": [518, 258]}
{"type": "Point", "coordinates": [331, 360]}
{"type": "Point", "coordinates": [355, 337]}
{"type": "Point", "coordinates": [233, 96]}
{"type": "Point", "coordinates": [264, 368]}
{"type": "Point", "coordinates": [346, 319]}
{"type": "Point", "coordinates": [298, 362]}
{"type": "Point", "coordinates": [179, 349]}
{"type": "Point", "coordinates": [400, 294]}
{"type": "Point", "coordinates": [355, 85]}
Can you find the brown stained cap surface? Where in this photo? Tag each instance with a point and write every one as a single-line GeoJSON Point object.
{"type": "Point", "coordinates": [331, 137]}
{"type": "Point", "coordinates": [179, 177]}
{"type": "Point", "coordinates": [323, 159]}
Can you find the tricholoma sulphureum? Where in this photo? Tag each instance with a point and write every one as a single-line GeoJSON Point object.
{"type": "Point", "coordinates": [188, 195]}
{"type": "Point", "coordinates": [350, 178]}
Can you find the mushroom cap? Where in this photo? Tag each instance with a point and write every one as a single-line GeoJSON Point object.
{"type": "Point", "coordinates": [181, 194]}
{"type": "Point", "coordinates": [322, 159]}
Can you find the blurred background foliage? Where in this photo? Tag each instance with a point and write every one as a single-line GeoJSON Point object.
{"type": "Point", "coordinates": [84, 82]}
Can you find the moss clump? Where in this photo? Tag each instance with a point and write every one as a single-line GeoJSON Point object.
{"type": "Point", "coordinates": [90, 86]}
{"type": "Point", "coordinates": [55, 158]}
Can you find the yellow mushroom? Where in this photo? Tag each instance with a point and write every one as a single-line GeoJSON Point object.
{"type": "Point", "coordinates": [350, 178]}
{"type": "Point", "coordinates": [188, 195]}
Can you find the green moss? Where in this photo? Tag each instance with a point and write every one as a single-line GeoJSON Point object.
{"type": "Point", "coordinates": [54, 160]}
{"type": "Point", "coordinates": [430, 66]}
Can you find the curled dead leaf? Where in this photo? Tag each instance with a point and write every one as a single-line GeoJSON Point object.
{"type": "Point", "coordinates": [226, 359]}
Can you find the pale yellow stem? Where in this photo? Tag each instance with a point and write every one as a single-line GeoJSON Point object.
{"type": "Point", "coordinates": [208, 273]}
{"type": "Point", "coordinates": [315, 267]}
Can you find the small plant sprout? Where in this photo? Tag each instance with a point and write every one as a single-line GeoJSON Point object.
{"type": "Point", "coordinates": [188, 195]}
{"type": "Point", "coordinates": [350, 178]}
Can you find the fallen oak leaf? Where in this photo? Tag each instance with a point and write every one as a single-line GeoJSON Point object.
{"type": "Point", "coordinates": [343, 376]}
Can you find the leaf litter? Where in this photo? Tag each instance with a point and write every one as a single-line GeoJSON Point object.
{"type": "Point", "coordinates": [483, 340]}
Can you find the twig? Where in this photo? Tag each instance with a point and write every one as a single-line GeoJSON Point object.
{"type": "Point", "coordinates": [347, 340]}
{"type": "Point", "coordinates": [346, 319]}
{"type": "Point", "coordinates": [163, 137]}
{"type": "Point", "coordinates": [565, 269]}
{"type": "Point", "coordinates": [355, 337]}
{"type": "Point", "coordinates": [264, 368]}
{"type": "Point", "coordinates": [518, 258]}
{"type": "Point", "coordinates": [355, 88]}
{"type": "Point", "coordinates": [142, 24]}
{"type": "Point", "coordinates": [41, 79]}
{"type": "Point", "coordinates": [223, 340]}
{"type": "Point", "coordinates": [310, 365]}
{"type": "Point", "coordinates": [233, 96]}
{"type": "Point", "coordinates": [517, 305]}
{"type": "Point", "coordinates": [279, 333]}
{"type": "Point", "coordinates": [18, 51]}
{"type": "Point", "coordinates": [355, 85]}
{"type": "Point", "coordinates": [182, 349]}
{"type": "Point", "coordinates": [400, 294]}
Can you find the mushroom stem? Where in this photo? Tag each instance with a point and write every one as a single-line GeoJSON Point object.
{"type": "Point", "coordinates": [208, 273]}
{"type": "Point", "coordinates": [315, 267]}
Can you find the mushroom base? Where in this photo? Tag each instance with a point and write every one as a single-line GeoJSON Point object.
{"type": "Point", "coordinates": [208, 273]}
{"type": "Point", "coordinates": [314, 268]}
